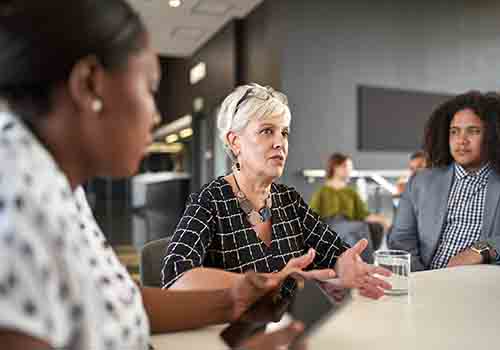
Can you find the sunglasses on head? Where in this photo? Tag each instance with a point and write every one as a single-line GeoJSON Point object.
{"type": "Point", "coordinates": [261, 93]}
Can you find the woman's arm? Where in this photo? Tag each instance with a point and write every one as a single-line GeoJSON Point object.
{"type": "Point", "coordinates": [318, 235]}
{"type": "Point", "coordinates": [190, 241]}
{"type": "Point", "coordinates": [378, 219]}
{"type": "Point", "coordinates": [177, 310]}
{"type": "Point", "coordinates": [19, 341]}
{"type": "Point", "coordinates": [172, 310]}
{"type": "Point", "coordinates": [201, 278]}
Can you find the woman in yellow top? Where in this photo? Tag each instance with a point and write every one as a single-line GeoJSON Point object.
{"type": "Point", "coordinates": [335, 202]}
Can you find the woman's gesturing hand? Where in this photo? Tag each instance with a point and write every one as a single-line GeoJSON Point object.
{"type": "Point", "coordinates": [354, 273]}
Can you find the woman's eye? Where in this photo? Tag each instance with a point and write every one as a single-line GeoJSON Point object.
{"type": "Point", "coordinates": [285, 133]}
{"type": "Point", "coordinates": [267, 131]}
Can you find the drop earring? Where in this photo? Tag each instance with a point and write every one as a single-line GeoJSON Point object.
{"type": "Point", "coordinates": [96, 105]}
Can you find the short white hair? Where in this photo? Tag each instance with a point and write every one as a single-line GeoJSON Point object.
{"type": "Point", "coordinates": [235, 113]}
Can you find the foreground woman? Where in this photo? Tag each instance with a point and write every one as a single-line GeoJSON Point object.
{"type": "Point", "coordinates": [78, 80]}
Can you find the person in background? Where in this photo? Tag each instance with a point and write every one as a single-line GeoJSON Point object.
{"type": "Point", "coordinates": [417, 162]}
{"type": "Point", "coordinates": [77, 81]}
{"type": "Point", "coordinates": [246, 221]}
{"type": "Point", "coordinates": [336, 198]}
{"type": "Point", "coordinates": [449, 214]}
{"type": "Point", "coordinates": [342, 207]}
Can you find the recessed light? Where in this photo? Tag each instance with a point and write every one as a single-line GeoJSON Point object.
{"type": "Point", "coordinates": [174, 3]}
{"type": "Point", "coordinates": [185, 133]}
{"type": "Point", "coordinates": [171, 138]}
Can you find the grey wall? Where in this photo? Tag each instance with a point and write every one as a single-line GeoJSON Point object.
{"type": "Point", "coordinates": [331, 46]}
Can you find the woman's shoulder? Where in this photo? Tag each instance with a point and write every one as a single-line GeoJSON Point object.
{"type": "Point", "coordinates": [323, 189]}
{"type": "Point", "coordinates": [285, 193]}
{"type": "Point", "coordinates": [216, 190]}
{"type": "Point", "coordinates": [29, 176]}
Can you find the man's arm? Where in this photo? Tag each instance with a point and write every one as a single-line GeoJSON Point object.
{"type": "Point", "coordinates": [404, 233]}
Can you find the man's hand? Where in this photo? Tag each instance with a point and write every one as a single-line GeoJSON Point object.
{"type": "Point", "coordinates": [466, 257]}
{"type": "Point", "coordinates": [354, 273]}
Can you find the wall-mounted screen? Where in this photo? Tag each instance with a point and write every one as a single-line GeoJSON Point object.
{"type": "Point", "coordinates": [394, 119]}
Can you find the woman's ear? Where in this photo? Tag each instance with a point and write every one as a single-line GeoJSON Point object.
{"type": "Point", "coordinates": [84, 83]}
{"type": "Point", "coordinates": [233, 141]}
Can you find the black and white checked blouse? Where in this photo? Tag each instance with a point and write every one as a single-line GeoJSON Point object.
{"type": "Point", "coordinates": [214, 232]}
{"type": "Point", "coordinates": [464, 218]}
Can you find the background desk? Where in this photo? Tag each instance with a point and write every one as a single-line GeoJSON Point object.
{"type": "Point", "coordinates": [452, 309]}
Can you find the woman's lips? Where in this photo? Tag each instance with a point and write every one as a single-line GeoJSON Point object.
{"type": "Point", "coordinates": [278, 159]}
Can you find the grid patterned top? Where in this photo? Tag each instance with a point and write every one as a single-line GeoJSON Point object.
{"type": "Point", "coordinates": [214, 232]}
{"type": "Point", "coordinates": [464, 218]}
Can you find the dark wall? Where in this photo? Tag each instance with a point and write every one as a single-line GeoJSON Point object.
{"type": "Point", "coordinates": [438, 46]}
{"type": "Point", "coordinates": [248, 50]}
{"type": "Point", "coordinates": [319, 53]}
{"type": "Point", "coordinates": [176, 94]}
{"type": "Point", "coordinates": [260, 43]}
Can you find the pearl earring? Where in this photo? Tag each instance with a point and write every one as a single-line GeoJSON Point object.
{"type": "Point", "coordinates": [96, 105]}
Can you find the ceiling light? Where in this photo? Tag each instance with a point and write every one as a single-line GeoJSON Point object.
{"type": "Point", "coordinates": [186, 133]}
{"type": "Point", "coordinates": [197, 73]}
{"type": "Point", "coordinates": [171, 138]}
{"type": "Point", "coordinates": [158, 147]}
{"type": "Point", "coordinates": [174, 3]}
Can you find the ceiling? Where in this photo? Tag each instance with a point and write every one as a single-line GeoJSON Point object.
{"type": "Point", "coordinates": [179, 32]}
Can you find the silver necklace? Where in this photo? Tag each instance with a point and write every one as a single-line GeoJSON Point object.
{"type": "Point", "coordinates": [254, 216]}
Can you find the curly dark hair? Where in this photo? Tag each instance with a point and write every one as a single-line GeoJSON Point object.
{"type": "Point", "coordinates": [436, 139]}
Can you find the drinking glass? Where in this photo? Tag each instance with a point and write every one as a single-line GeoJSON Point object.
{"type": "Point", "coordinates": [398, 262]}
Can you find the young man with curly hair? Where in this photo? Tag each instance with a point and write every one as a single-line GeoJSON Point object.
{"type": "Point", "coordinates": [449, 214]}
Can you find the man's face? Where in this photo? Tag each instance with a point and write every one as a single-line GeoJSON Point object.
{"type": "Point", "coordinates": [467, 132]}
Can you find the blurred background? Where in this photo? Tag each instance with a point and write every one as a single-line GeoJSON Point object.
{"type": "Point", "coordinates": [361, 77]}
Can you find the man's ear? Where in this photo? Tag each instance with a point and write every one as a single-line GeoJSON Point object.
{"type": "Point", "coordinates": [233, 140]}
{"type": "Point", "coordinates": [84, 83]}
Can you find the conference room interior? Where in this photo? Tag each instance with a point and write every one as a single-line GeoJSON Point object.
{"type": "Point", "coordinates": [361, 78]}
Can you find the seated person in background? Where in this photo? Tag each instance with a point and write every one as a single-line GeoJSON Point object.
{"type": "Point", "coordinates": [417, 162]}
{"type": "Point", "coordinates": [449, 214]}
{"type": "Point", "coordinates": [245, 221]}
{"type": "Point", "coordinates": [74, 107]}
{"type": "Point", "coordinates": [342, 207]}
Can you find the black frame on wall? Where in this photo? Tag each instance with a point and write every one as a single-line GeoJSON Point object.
{"type": "Point", "coordinates": [392, 119]}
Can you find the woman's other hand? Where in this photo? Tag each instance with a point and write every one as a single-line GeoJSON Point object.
{"type": "Point", "coordinates": [297, 266]}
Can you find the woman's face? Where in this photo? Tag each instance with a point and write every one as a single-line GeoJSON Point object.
{"type": "Point", "coordinates": [262, 146]}
{"type": "Point", "coordinates": [129, 113]}
{"type": "Point", "coordinates": [343, 171]}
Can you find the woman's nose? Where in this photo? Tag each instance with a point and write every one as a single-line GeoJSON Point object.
{"type": "Point", "coordinates": [278, 142]}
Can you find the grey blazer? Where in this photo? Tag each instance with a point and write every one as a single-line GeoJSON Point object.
{"type": "Point", "coordinates": [422, 213]}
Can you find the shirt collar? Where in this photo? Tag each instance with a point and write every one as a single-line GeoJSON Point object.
{"type": "Point", "coordinates": [480, 174]}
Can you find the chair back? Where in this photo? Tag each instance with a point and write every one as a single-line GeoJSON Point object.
{"type": "Point", "coordinates": [152, 262]}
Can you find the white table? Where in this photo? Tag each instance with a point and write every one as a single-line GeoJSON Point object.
{"type": "Point", "coordinates": [452, 309]}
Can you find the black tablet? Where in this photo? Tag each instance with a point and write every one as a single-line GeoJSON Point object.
{"type": "Point", "coordinates": [312, 303]}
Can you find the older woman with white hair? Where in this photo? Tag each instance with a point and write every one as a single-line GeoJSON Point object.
{"type": "Point", "coordinates": [245, 221]}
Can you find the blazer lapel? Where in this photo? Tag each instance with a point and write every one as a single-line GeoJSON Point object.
{"type": "Point", "coordinates": [491, 204]}
{"type": "Point", "coordinates": [439, 192]}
